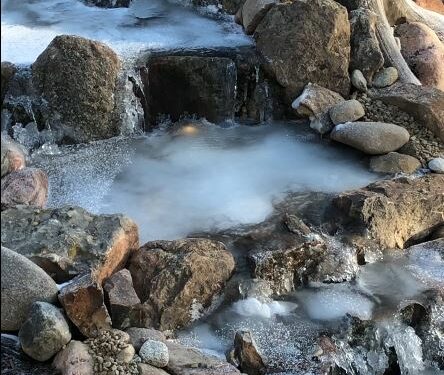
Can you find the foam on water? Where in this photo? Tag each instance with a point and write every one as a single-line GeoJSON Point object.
{"type": "Point", "coordinates": [28, 26]}
{"type": "Point", "coordinates": [254, 307]}
{"type": "Point", "coordinates": [332, 302]}
{"type": "Point", "coordinates": [206, 179]}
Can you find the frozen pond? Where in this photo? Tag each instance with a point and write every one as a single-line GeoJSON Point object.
{"type": "Point", "coordinates": [28, 26]}
{"type": "Point", "coordinates": [200, 176]}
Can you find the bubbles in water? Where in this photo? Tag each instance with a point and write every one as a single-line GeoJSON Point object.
{"type": "Point", "coordinates": [253, 307]}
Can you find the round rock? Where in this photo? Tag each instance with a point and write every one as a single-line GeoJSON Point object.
{"type": "Point", "coordinates": [22, 283]}
{"type": "Point", "coordinates": [349, 110]}
{"type": "Point", "coordinates": [154, 353]}
{"type": "Point", "coordinates": [385, 77]}
{"type": "Point", "coordinates": [394, 162]}
{"type": "Point", "coordinates": [436, 165]}
{"type": "Point", "coordinates": [45, 331]}
{"type": "Point", "coordinates": [373, 138]}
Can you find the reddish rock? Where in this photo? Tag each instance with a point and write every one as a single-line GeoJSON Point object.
{"type": "Point", "coordinates": [435, 5]}
{"type": "Point", "coordinates": [247, 354]}
{"type": "Point", "coordinates": [121, 297]}
{"type": "Point", "coordinates": [423, 52]}
{"type": "Point", "coordinates": [12, 155]}
{"type": "Point", "coordinates": [83, 301]}
{"type": "Point", "coordinates": [28, 186]}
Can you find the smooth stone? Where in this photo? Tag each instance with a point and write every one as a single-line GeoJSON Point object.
{"type": "Point", "coordinates": [154, 353]}
{"type": "Point", "coordinates": [138, 336]}
{"type": "Point", "coordinates": [394, 162]}
{"type": "Point", "coordinates": [436, 165]}
{"type": "Point", "coordinates": [74, 360]}
{"type": "Point", "coordinates": [22, 284]}
{"type": "Point", "coordinates": [373, 138]}
{"type": "Point", "coordinates": [45, 332]}
{"type": "Point", "coordinates": [385, 77]}
{"type": "Point", "coordinates": [358, 80]}
{"type": "Point", "coordinates": [347, 111]}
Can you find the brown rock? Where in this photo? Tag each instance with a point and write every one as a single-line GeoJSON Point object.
{"type": "Point", "coordinates": [423, 52]}
{"type": "Point", "coordinates": [74, 360]}
{"type": "Point", "coordinates": [365, 52]}
{"type": "Point", "coordinates": [313, 33]}
{"type": "Point", "coordinates": [315, 102]}
{"type": "Point", "coordinates": [393, 212]}
{"type": "Point", "coordinates": [139, 335]}
{"type": "Point", "coordinates": [349, 110]}
{"type": "Point", "coordinates": [253, 12]}
{"type": "Point", "coordinates": [121, 297]}
{"type": "Point", "coordinates": [190, 361]}
{"type": "Point", "coordinates": [394, 162]}
{"type": "Point", "coordinates": [145, 369]}
{"type": "Point", "coordinates": [435, 5]}
{"type": "Point", "coordinates": [178, 279]}
{"type": "Point", "coordinates": [247, 354]}
{"type": "Point", "coordinates": [78, 77]}
{"type": "Point", "coordinates": [12, 156]}
{"type": "Point", "coordinates": [83, 301]}
{"type": "Point", "coordinates": [69, 241]}
{"type": "Point", "coordinates": [425, 104]}
{"type": "Point", "coordinates": [27, 186]}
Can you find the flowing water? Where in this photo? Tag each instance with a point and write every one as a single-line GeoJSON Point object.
{"type": "Point", "coordinates": [28, 26]}
{"type": "Point", "coordinates": [199, 177]}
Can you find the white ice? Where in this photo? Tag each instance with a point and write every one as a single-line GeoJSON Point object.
{"type": "Point", "coordinates": [28, 26]}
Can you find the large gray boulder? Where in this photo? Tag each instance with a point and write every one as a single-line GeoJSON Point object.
{"type": "Point", "coordinates": [253, 12]}
{"type": "Point", "coordinates": [22, 283]}
{"type": "Point", "coordinates": [68, 241]}
{"type": "Point", "coordinates": [374, 138]}
{"type": "Point", "coordinates": [306, 41]}
{"type": "Point", "coordinates": [366, 55]}
{"type": "Point", "coordinates": [77, 76]}
{"type": "Point", "coordinates": [44, 332]}
{"type": "Point", "coordinates": [74, 360]}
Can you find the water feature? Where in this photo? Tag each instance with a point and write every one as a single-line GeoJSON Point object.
{"type": "Point", "coordinates": [28, 26]}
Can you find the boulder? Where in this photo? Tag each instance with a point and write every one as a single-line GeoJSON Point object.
{"type": "Point", "coordinates": [191, 85]}
{"type": "Point", "coordinates": [77, 76]}
{"type": "Point", "coordinates": [139, 335]}
{"type": "Point", "coordinates": [69, 241]}
{"type": "Point", "coordinates": [365, 52]}
{"type": "Point", "coordinates": [435, 5]}
{"type": "Point", "coordinates": [247, 354]}
{"type": "Point", "coordinates": [347, 111]}
{"type": "Point", "coordinates": [253, 12]}
{"type": "Point", "coordinates": [394, 162]}
{"type": "Point", "coordinates": [374, 138]}
{"type": "Point", "coordinates": [385, 77]}
{"type": "Point", "coordinates": [177, 280]}
{"type": "Point", "coordinates": [83, 301]}
{"type": "Point", "coordinates": [306, 41]}
{"type": "Point", "coordinates": [358, 80]}
{"type": "Point", "coordinates": [121, 297]}
{"type": "Point", "coordinates": [393, 212]}
{"type": "Point", "coordinates": [22, 283]}
{"type": "Point", "coordinates": [438, 232]}
{"type": "Point", "coordinates": [154, 353]}
{"type": "Point", "coordinates": [74, 360]}
{"type": "Point", "coordinates": [425, 104]}
{"type": "Point", "coordinates": [190, 361]}
{"type": "Point", "coordinates": [314, 102]}
{"type": "Point", "coordinates": [423, 52]}
{"type": "Point", "coordinates": [7, 72]}
{"type": "Point", "coordinates": [12, 156]}
{"type": "Point", "coordinates": [45, 331]}
{"type": "Point", "coordinates": [436, 165]}
{"type": "Point", "coordinates": [27, 186]}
